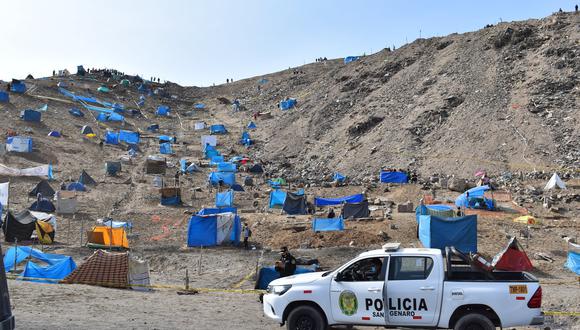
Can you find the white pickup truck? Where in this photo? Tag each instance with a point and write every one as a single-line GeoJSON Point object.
{"type": "Point", "coordinates": [412, 287]}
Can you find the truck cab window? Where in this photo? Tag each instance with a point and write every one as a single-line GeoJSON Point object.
{"type": "Point", "coordinates": [370, 269]}
{"type": "Point", "coordinates": [410, 268]}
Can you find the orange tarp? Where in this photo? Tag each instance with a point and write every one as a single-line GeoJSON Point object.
{"type": "Point", "coordinates": [109, 236]}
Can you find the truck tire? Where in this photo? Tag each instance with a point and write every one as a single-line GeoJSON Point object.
{"type": "Point", "coordinates": [305, 318]}
{"type": "Point", "coordinates": [474, 321]}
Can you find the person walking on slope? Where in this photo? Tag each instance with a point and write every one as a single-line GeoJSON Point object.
{"type": "Point", "coordinates": [247, 233]}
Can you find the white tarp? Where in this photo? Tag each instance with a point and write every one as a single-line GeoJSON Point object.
{"type": "Point", "coordinates": [555, 182]}
{"type": "Point", "coordinates": [199, 126]}
{"type": "Point", "coordinates": [19, 144]}
{"type": "Point", "coordinates": [4, 191]}
{"type": "Point", "coordinates": [138, 275]}
{"type": "Point", "coordinates": [46, 217]}
{"type": "Point", "coordinates": [44, 170]}
{"type": "Point", "coordinates": [66, 202]}
{"type": "Point", "coordinates": [225, 226]}
{"type": "Point", "coordinates": [211, 139]}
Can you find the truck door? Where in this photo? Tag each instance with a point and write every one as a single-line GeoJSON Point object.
{"type": "Point", "coordinates": [412, 291]}
{"type": "Point", "coordinates": [356, 292]}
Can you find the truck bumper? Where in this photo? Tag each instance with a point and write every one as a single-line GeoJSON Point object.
{"type": "Point", "coordinates": [274, 307]}
{"type": "Point", "coordinates": [538, 320]}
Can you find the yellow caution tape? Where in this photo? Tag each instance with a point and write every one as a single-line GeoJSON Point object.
{"type": "Point", "coordinates": [562, 313]}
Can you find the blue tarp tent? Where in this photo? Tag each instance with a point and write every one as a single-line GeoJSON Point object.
{"type": "Point", "coordinates": [287, 104]}
{"type": "Point", "coordinates": [444, 211]}
{"type": "Point", "coordinates": [245, 140]}
{"type": "Point", "coordinates": [251, 125]}
{"type": "Point", "coordinates": [215, 160]}
{"type": "Point", "coordinates": [4, 97]}
{"type": "Point", "coordinates": [325, 224]}
{"type": "Point", "coordinates": [268, 274]}
{"type": "Point", "coordinates": [476, 199]}
{"type": "Point", "coordinates": [76, 112]}
{"type": "Point", "coordinates": [338, 177]}
{"type": "Point", "coordinates": [227, 178]}
{"type": "Point", "coordinates": [224, 199]}
{"type": "Point", "coordinates": [153, 128]}
{"type": "Point", "coordinates": [320, 201]}
{"type": "Point", "coordinates": [17, 86]}
{"type": "Point", "coordinates": [394, 177]}
{"type": "Point", "coordinates": [209, 210]}
{"type": "Point", "coordinates": [573, 262]}
{"type": "Point", "coordinates": [76, 186]}
{"type": "Point", "coordinates": [165, 148]}
{"type": "Point", "coordinates": [19, 144]}
{"type": "Point", "coordinates": [54, 134]}
{"type": "Point", "coordinates": [199, 106]}
{"type": "Point", "coordinates": [129, 137]}
{"type": "Point", "coordinates": [165, 138]}
{"type": "Point", "coordinates": [111, 137]}
{"type": "Point", "coordinates": [436, 232]}
{"type": "Point", "coordinates": [162, 110]}
{"type": "Point", "coordinates": [226, 167]}
{"type": "Point", "coordinates": [277, 198]}
{"type": "Point", "coordinates": [103, 117]}
{"type": "Point", "coordinates": [211, 152]}
{"type": "Point", "coordinates": [218, 129]}
{"type": "Point", "coordinates": [212, 230]}
{"type": "Point", "coordinates": [42, 205]}
{"type": "Point", "coordinates": [349, 59]}
{"type": "Point", "coordinates": [30, 115]}
{"type": "Point", "coordinates": [112, 168]}
{"type": "Point", "coordinates": [118, 108]}
{"type": "Point", "coordinates": [58, 266]}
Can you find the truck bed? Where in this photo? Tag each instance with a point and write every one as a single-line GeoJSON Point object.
{"type": "Point", "coordinates": [496, 276]}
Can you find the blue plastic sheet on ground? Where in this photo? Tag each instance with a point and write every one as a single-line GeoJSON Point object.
{"type": "Point", "coordinates": [165, 148]}
{"type": "Point", "coordinates": [573, 262]}
{"type": "Point", "coordinates": [277, 198]}
{"type": "Point", "coordinates": [224, 199]}
{"type": "Point", "coordinates": [58, 266]}
{"type": "Point", "coordinates": [268, 274]}
{"type": "Point", "coordinates": [218, 129]}
{"type": "Point", "coordinates": [394, 177]}
{"type": "Point", "coordinates": [328, 224]}
{"type": "Point", "coordinates": [320, 201]}
{"type": "Point", "coordinates": [436, 232]}
{"type": "Point", "coordinates": [129, 137]}
{"type": "Point", "coordinates": [287, 104]}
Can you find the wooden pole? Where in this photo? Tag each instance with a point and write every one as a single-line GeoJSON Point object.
{"type": "Point", "coordinates": [82, 229]}
{"type": "Point", "coordinates": [199, 264]}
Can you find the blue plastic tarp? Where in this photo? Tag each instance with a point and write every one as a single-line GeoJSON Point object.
{"type": "Point", "coordinates": [111, 137]}
{"type": "Point", "coordinates": [19, 87]}
{"type": "Point", "coordinates": [30, 115]}
{"type": "Point", "coordinates": [224, 199]}
{"type": "Point", "coordinates": [573, 262]}
{"type": "Point", "coordinates": [277, 198]}
{"type": "Point", "coordinates": [76, 112]}
{"type": "Point", "coordinates": [162, 110]}
{"type": "Point", "coordinates": [199, 106]}
{"type": "Point", "coordinates": [437, 232]}
{"type": "Point", "coordinates": [203, 231]}
{"type": "Point", "coordinates": [394, 177]}
{"type": "Point", "coordinates": [211, 152]}
{"type": "Point", "coordinates": [226, 166]}
{"type": "Point", "coordinates": [435, 209]}
{"type": "Point", "coordinates": [477, 192]}
{"type": "Point", "coordinates": [166, 138]}
{"type": "Point", "coordinates": [4, 97]}
{"type": "Point", "coordinates": [19, 144]}
{"type": "Point", "coordinates": [129, 137]}
{"type": "Point", "coordinates": [44, 205]}
{"type": "Point", "coordinates": [173, 200]}
{"type": "Point", "coordinates": [58, 266]}
{"type": "Point", "coordinates": [339, 177]}
{"type": "Point", "coordinates": [215, 160]}
{"type": "Point", "coordinates": [320, 201]}
{"type": "Point", "coordinates": [349, 59]}
{"type": "Point", "coordinates": [287, 104]}
{"type": "Point", "coordinates": [325, 224]}
{"type": "Point", "coordinates": [227, 178]}
{"type": "Point", "coordinates": [268, 274]}
{"type": "Point", "coordinates": [117, 224]}
{"type": "Point", "coordinates": [153, 128]}
{"type": "Point", "coordinates": [210, 211]}
{"type": "Point", "coordinates": [218, 129]}
{"type": "Point", "coordinates": [76, 186]}
{"type": "Point", "coordinates": [165, 148]}
{"type": "Point", "coordinates": [251, 125]}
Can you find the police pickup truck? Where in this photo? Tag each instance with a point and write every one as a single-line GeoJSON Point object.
{"type": "Point", "coordinates": [406, 287]}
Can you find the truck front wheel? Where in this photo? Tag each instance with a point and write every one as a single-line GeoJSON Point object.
{"type": "Point", "coordinates": [474, 321]}
{"type": "Point", "coordinates": [305, 318]}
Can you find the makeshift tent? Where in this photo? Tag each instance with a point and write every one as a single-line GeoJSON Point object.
{"type": "Point", "coordinates": [19, 144]}
{"type": "Point", "coordinates": [153, 128]}
{"type": "Point", "coordinates": [187, 167]}
{"type": "Point", "coordinates": [276, 183]}
{"type": "Point", "coordinates": [17, 86]}
{"type": "Point", "coordinates": [109, 269]}
{"type": "Point", "coordinates": [170, 196]}
{"type": "Point", "coordinates": [215, 160]}
{"type": "Point", "coordinates": [320, 201]}
{"type": "Point", "coordinates": [86, 179]}
{"type": "Point", "coordinates": [86, 130]}
{"type": "Point", "coordinates": [268, 274]}
{"type": "Point", "coordinates": [81, 70]}
{"type": "Point", "coordinates": [555, 183]}
{"type": "Point", "coordinates": [294, 204]}
{"type": "Point", "coordinates": [56, 266]}
{"type": "Point", "coordinates": [210, 211]}
{"type": "Point", "coordinates": [112, 168]}
{"type": "Point", "coordinates": [218, 129]}
{"type": "Point", "coordinates": [226, 178]}
{"type": "Point", "coordinates": [199, 106]}
{"type": "Point", "coordinates": [436, 232]}
{"type": "Point", "coordinates": [42, 205]}
{"type": "Point", "coordinates": [66, 202]}
{"type": "Point", "coordinates": [43, 170]}
{"type": "Point", "coordinates": [393, 177]}
{"type": "Point", "coordinates": [208, 139]}
{"type": "Point", "coordinates": [155, 165]}
{"type": "Point", "coordinates": [18, 226]}
{"type": "Point", "coordinates": [355, 210]}
{"type": "Point", "coordinates": [4, 97]}
{"type": "Point", "coordinates": [117, 224]}
{"type": "Point", "coordinates": [54, 134]}
{"type": "Point", "coordinates": [349, 59]}
{"type": "Point", "coordinates": [338, 177]}
{"type": "Point", "coordinates": [129, 137]}
{"type": "Point", "coordinates": [325, 224]}
{"type": "Point", "coordinates": [104, 237]}
{"type": "Point", "coordinates": [212, 230]}
{"type": "Point", "coordinates": [30, 115]}
{"type": "Point", "coordinates": [287, 104]}
{"type": "Point", "coordinates": [512, 258]}
{"type": "Point", "coordinates": [226, 167]}
{"type": "Point", "coordinates": [162, 110]}
{"type": "Point", "coordinates": [110, 117]}
{"type": "Point", "coordinates": [45, 232]}
{"type": "Point", "coordinates": [256, 168]}
{"type": "Point", "coordinates": [573, 259]}
{"type": "Point", "coordinates": [165, 138]}
{"type": "Point", "coordinates": [251, 125]}
{"type": "Point", "coordinates": [237, 187]}
{"type": "Point", "coordinates": [224, 199]}
{"type": "Point", "coordinates": [476, 199]}
{"type": "Point", "coordinates": [444, 211]}
{"type": "Point", "coordinates": [43, 188]}
{"type": "Point", "coordinates": [165, 148]}
{"type": "Point", "coordinates": [76, 186]}
{"type": "Point", "coordinates": [277, 198]}
{"type": "Point", "coordinates": [199, 126]}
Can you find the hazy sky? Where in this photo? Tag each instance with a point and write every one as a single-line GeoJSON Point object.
{"type": "Point", "coordinates": [202, 42]}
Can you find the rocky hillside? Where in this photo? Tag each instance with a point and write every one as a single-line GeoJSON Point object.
{"type": "Point", "coordinates": [504, 98]}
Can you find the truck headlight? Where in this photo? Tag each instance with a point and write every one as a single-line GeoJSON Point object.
{"type": "Point", "coordinates": [278, 289]}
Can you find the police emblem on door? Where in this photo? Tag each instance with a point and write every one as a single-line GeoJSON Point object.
{"type": "Point", "coordinates": [348, 303]}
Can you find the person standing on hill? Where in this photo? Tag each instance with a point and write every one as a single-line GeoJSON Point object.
{"type": "Point", "coordinates": [247, 233]}
{"type": "Point", "coordinates": [286, 266]}
{"type": "Point", "coordinates": [576, 8]}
